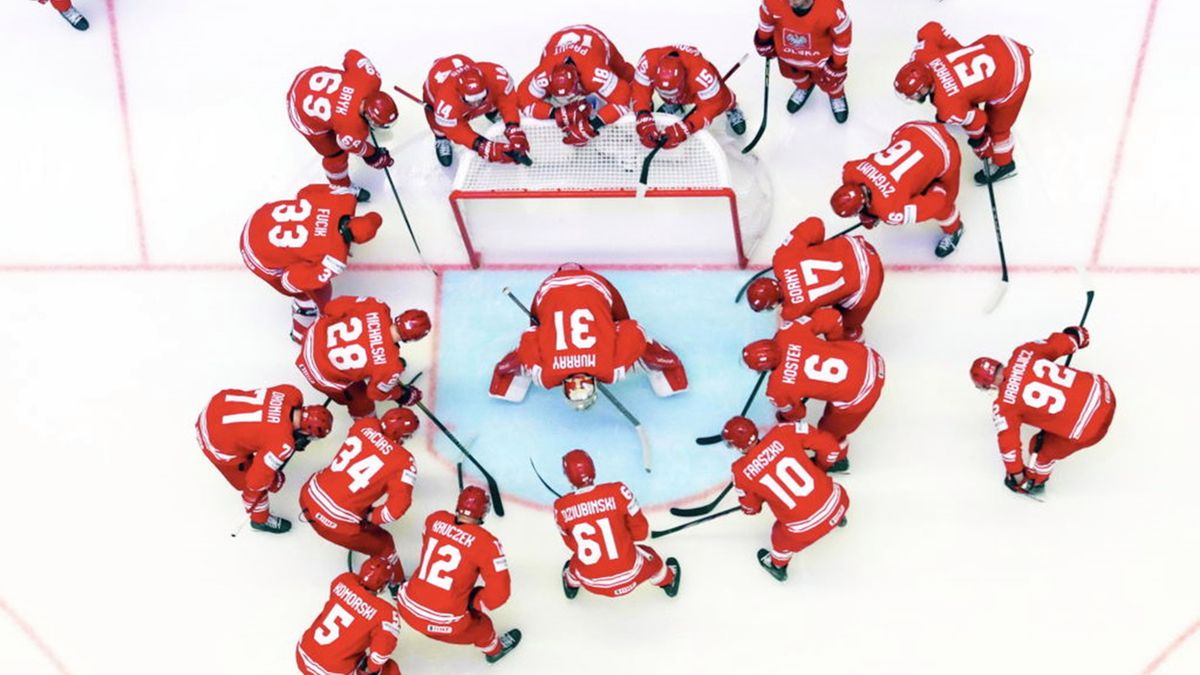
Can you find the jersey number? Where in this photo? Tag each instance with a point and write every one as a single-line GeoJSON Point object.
{"type": "Point", "coordinates": [319, 106]}
{"type": "Point", "coordinates": [363, 470]}
{"type": "Point", "coordinates": [809, 269]}
{"type": "Point", "coordinates": [351, 355]}
{"type": "Point", "coordinates": [790, 480]}
{"type": "Point", "coordinates": [286, 234]}
{"type": "Point", "coordinates": [900, 150]}
{"type": "Point", "coordinates": [579, 330]}
{"type": "Point", "coordinates": [976, 70]}
{"type": "Point", "coordinates": [1038, 395]}
{"type": "Point", "coordinates": [255, 399]}
{"type": "Point", "coordinates": [832, 369]}
{"type": "Point", "coordinates": [332, 625]}
{"type": "Point", "coordinates": [435, 571]}
{"type": "Point", "coordinates": [589, 549]}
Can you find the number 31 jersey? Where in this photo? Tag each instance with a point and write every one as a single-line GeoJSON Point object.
{"type": "Point", "coordinates": [814, 273]}
{"type": "Point", "coordinates": [1037, 391]}
{"type": "Point", "coordinates": [601, 525]}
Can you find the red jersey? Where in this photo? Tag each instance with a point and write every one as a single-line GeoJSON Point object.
{"type": "Point", "coordinates": [703, 88]}
{"type": "Point", "coordinates": [297, 240]}
{"type": "Point", "coordinates": [806, 41]}
{"type": "Point", "coordinates": [1037, 391]}
{"type": "Point", "coordinates": [240, 424]}
{"type": "Point", "coordinates": [368, 466]}
{"type": "Point", "coordinates": [815, 273]}
{"type": "Point", "coordinates": [451, 113]}
{"type": "Point", "coordinates": [993, 69]}
{"type": "Point", "coordinates": [453, 556]}
{"type": "Point", "coordinates": [778, 472]}
{"type": "Point", "coordinates": [323, 100]}
{"type": "Point", "coordinates": [902, 176]}
{"type": "Point", "coordinates": [351, 342]}
{"type": "Point", "coordinates": [355, 622]}
{"type": "Point", "coordinates": [600, 73]}
{"type": "Point", "coordinates": [579, 331]}
{"type": "Point", "coordinates": [839, 371]}
{"type": "Point", "coordinates": [602, 524]}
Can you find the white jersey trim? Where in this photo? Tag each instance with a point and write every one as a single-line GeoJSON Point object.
{"type": "Point", "coordinates": [423, 612]}
{"type": "Point", "coordinates": [821, 515]}
{"type": "Point", "coordinates": [329, 506]}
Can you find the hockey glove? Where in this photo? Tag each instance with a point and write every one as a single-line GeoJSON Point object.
{"type": "Point", "coordinates": [676, 134]}
{"type": "Point", "coordinates": [647, 130]}
{"type": "Point", "coordinates": [300, 441]}
{"type": "Point", "coordinates": [409, 396]}
{"type": "Point", "coordinates": [765, 48]}
{"type": "Point", "coordinates": [360, 229]}
{"type": "Point", "coordinates": [516, 138]}
{"type": "Point", "coordinates": [277, 482]}
{"type": "Point", "coordinates": [830, 76]}
{"type": "Point", "coordinates": [580, 132]}
{"type": "Point", "coordinates": [867, 220]}
{"type": "Point", "coordinates": [1015, 482]}
{"type": "Point", "coordinates": [982, 146]}
{"type": "Point", "coordinates": [493, 151]}
{"type": "Point", "coordinates": [1080, 335]}
{"type": "Point", "coordinates": [380, 158]}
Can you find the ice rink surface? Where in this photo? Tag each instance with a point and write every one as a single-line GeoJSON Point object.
{"type": "Point", "coordinates": [137, 150]}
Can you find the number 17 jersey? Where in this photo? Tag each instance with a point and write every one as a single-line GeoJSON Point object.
{"type": "Point", "coordinates": [814, 272]}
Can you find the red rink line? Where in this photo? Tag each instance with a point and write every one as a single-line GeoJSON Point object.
{"type": "Point", "coordinates": [1119, 157]}
{"type": "Point", "coordinates": [34, 638]}
{"type": "Point", "coordinates": [115, 42]}
{"type": "Point", "coordinates": [1187, 634]}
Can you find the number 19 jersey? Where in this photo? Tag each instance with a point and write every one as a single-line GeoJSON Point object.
{"type": "Point", "coordinates": [601, 525]}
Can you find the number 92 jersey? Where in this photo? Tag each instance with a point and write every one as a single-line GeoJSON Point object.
{"type": "Point", "coordinates": [1062, 401]}
{"type": "Point", "coordinates": [297, 240]}
{"type": "Point", "coordinates": [815, 273]}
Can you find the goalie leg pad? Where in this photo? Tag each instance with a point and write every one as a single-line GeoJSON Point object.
{"type": "Point", "coordinates": [664, 369]}
{"type": "Point", "coordinates": [508, 382]}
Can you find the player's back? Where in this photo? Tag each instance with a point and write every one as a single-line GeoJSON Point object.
{"type": "Point", "coordinates": [351, 339]}
{"type": "Point", "coordinates": [452, 555]}
{"type": "Point", "coordinates": [343, 630]}
{"type": "Point", "coordinates": [301, 229]}
{"type": "Point", "coordinates": [576, 331]}
{"type": "Point", "coordinates": [779, 472]}
{"type": "Point", "coordinates": [580, 42]}
{"type": "Point", "coordinates": [829, 370]}
{"type": "Point", "coordinates": [362, 468]}
{"type": "Point", "coordinates": [596, 519]}
{"type": "Point", "coordinates": [239, 422]}
{"type": "Point", "coordinates": [309, 102]}
{"type": "Point", "coordinates": [1059, 399]}
{"type": "Point", "coordinates": [819, 275]}
{"type": "Point", "coordinates": [988, 69]}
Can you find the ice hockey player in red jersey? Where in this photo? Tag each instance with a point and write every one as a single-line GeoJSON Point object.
{"type": "Point", "coordinates": [356, 632]}
{"type": "Point", "coordinates": [776, 470]}
{"type": "Point", "coordinates": [1073, 408]}
{"type": "Point", "coordinates": [811, 39]}
{"type": "Point", "coordinates": [680, 75]}
{"type": "Point", "coordinates": [441, 600]}
{"type": "Point", "coordinates": [68, 12]}
{"type": "Point", "coordinates": [352, 353]}
{"type": "Point", "coordinates": [457, 91]}
{"type": "Point", "coordinates": [912, 180]}
{"type": "Point", "coordinates": [602, 525]}
{"type": "Point", "coordinates": [582, 333]}
{"type": "Point", "coordinates": [335, 111]}
{"type": "Point", "coordinates": [811, 272]}
{"type": "Point", "coordinates": [992, 72]}
{"type": "Point", "coordinates": [339, 501]}
{"type": "Point", "coordinates": [299, 245]}
{"type": "Point", "coordinates": [847, 375]}
{"type": "Point", "coordinates": [250, 434]}
{"type": "Point", "coordinates": [581, 82]}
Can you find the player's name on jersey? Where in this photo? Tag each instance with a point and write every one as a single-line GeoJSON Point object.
{"type": "Point", "coordinates": [378, 440]}
{"type": "Point", "coordinates": [375, 334]}
{"type": "Point", "coordinates": [1013, 385]}
{"type": "Point", "coordinates": [354, 601]}
{"type": "Point", "coordinates": [454, 534]}
{"type": "Point", "coordinates": [275, 407]}
{"type": "Point", "coordinates": [588, 508]}
{"type": "Point", "coordinates": [762, 459]}
{"type": "Point", "coordinates": [791, 364]}
{"type": "Point", "coordinates": [574, 362]}
{"type": "Point", "coordinates": [877, 178]}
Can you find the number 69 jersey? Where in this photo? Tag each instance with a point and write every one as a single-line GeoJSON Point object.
{"type": "Point", "coordinates": [367, 466]}
{"type": "Point", "coordinates": [1060, 400]}
{"type": "Point", "coordinates": [297, 240]}
{"type": "Point", "coordinates": [813, 273]}
{"type": "Point", "coordinates": [778, 471]}
{"type": "Point", "coordinates": [914, 179]}
{"type": "Point", "coordinates": [355, 622]}
{"type": "Point", "coordinates": [601, 525]}
{"type": "Point", "coordinates": [323, 99]}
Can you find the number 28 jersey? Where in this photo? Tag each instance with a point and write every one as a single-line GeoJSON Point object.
{"type": "Point", "coordinates": [352, 342]}
{"type": "Point", "coordinates": [601, 525]}
{"type": "Point", "coordinates": [779, 473]}
{"type": "Point", "coordinates": [814, 273]}
{"type": "Point", "coordinates": [1065, 402]}
{"type": "Point", "coordinates": [453, 557]}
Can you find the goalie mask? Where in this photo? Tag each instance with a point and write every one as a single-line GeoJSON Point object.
{"type": "Point", "coordinates": [580, 391]}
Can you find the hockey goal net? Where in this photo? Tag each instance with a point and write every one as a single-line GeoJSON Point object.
{"type": "Point", "coordinates": [581, 203]}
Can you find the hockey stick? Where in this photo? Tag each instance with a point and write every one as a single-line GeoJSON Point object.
{"type": "Point", "coordinates": [412, 235]}
{"type": "Point", "coordinates": [742, 291]}
{"type": "Point", "coordinates": [995, 302]}
{"type": "Point", "coordinates": [762, 127]}
{"type": "Point", "coordinates": [643, 437]}
{"type": "Point", "coordinates": [1087, 307]}
{"type": "Point", "coordinates": [543, 480]}
{"type": "Point", "coordinates": [644, 177]}
{"type": "Point", "coordinates": [518, 157]}
{"type": "Point", "coordinates": [716, 438]}
{"type": "Point", "coordinates": [655, 534]}
{"type": "Point", "coordinates": [704, 509]}
{"type": "Point", "coordinates": [493, 487]}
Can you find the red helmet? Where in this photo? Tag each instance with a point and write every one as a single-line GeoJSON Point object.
{"type": "Point", "coordinates": [380, 109]}
{"type": "Point", "coordinates": [413, 325]}
{"type": "Point", "coordinates": [473, 502]}
{"type": "Point", "coordinates": [471, 86]}
{"type": "Point", "coordinates": [848, 200]}
{"type": "Point", "coordinates": [914, 80]}
{"type": "Point", "coordinates": [315, 421]}
{"type": "Point", "coordinates": [740, 432]}
{"type": "Point", "coordinates": [763, 294]}
{"type": "Point", "coordinates": [399, 423]}
{"type": "Point", "coordinates": [983, 372]}
{"type": "Point", "coordinates": [670, 77]}
{"type": "Point", "coordinates": [374, 574]}
{"type": "Point", "coordinates": [761, 355]}
{"type": "Point", "coordinates": [578, 467]}
{"type": "Point", "coordinates": [363, 228]}
{"type": "Point", "coordinates": [564, 80]}
{"type": "Point", "coordinates": [580, 391]}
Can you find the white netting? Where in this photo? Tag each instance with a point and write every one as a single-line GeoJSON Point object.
{"type": "Point", "coordinates": [611, 161]}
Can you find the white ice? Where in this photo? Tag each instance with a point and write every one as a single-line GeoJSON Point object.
{"type": "Point", "coordinates": [116, 552]}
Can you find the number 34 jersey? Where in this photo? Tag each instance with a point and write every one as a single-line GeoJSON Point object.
{"type": "Point", "coordinates": [367, 466]}
{"type": "Point", "coordinates": [453, 556]}
{"type": "Point", "coordinates": [1062, 401]}
{"type": "Point", "coordinates": [601, 525]}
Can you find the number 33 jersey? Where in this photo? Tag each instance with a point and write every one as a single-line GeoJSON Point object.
{"type": "Point", "coordinates": [453, 556]}
{"type": "Point", "coordinates": [1062, 401]}
{"type": "Point", "coordinates": [601, 525]}
{"type": "Point", "coordinates": [298, 239]}
{"type": "Point", "coordinates": [814, 273]}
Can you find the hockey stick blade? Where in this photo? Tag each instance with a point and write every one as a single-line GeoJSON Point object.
{"type": "Point", "coordinates": [647, 452]}
{"type": "Point", "coordinates": [997, 296]}
{"type": "Point", "coordinates": [708, 440]}
{"type": "Point", "coordinates": [662, 533]}
{"type": "Point", "coordinates": [704, 509]}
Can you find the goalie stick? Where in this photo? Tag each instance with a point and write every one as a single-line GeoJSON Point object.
{"type": "Point", "coordinates": [762, 127]}
{"type": "Point", "coordinates": [644, 177]}
{"type": "Point", "coordinates": [742, 291]}
{"type": "Point", "coordinates": [655, 534]}
{"type": "Point", "coordinates": [643, 437]}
